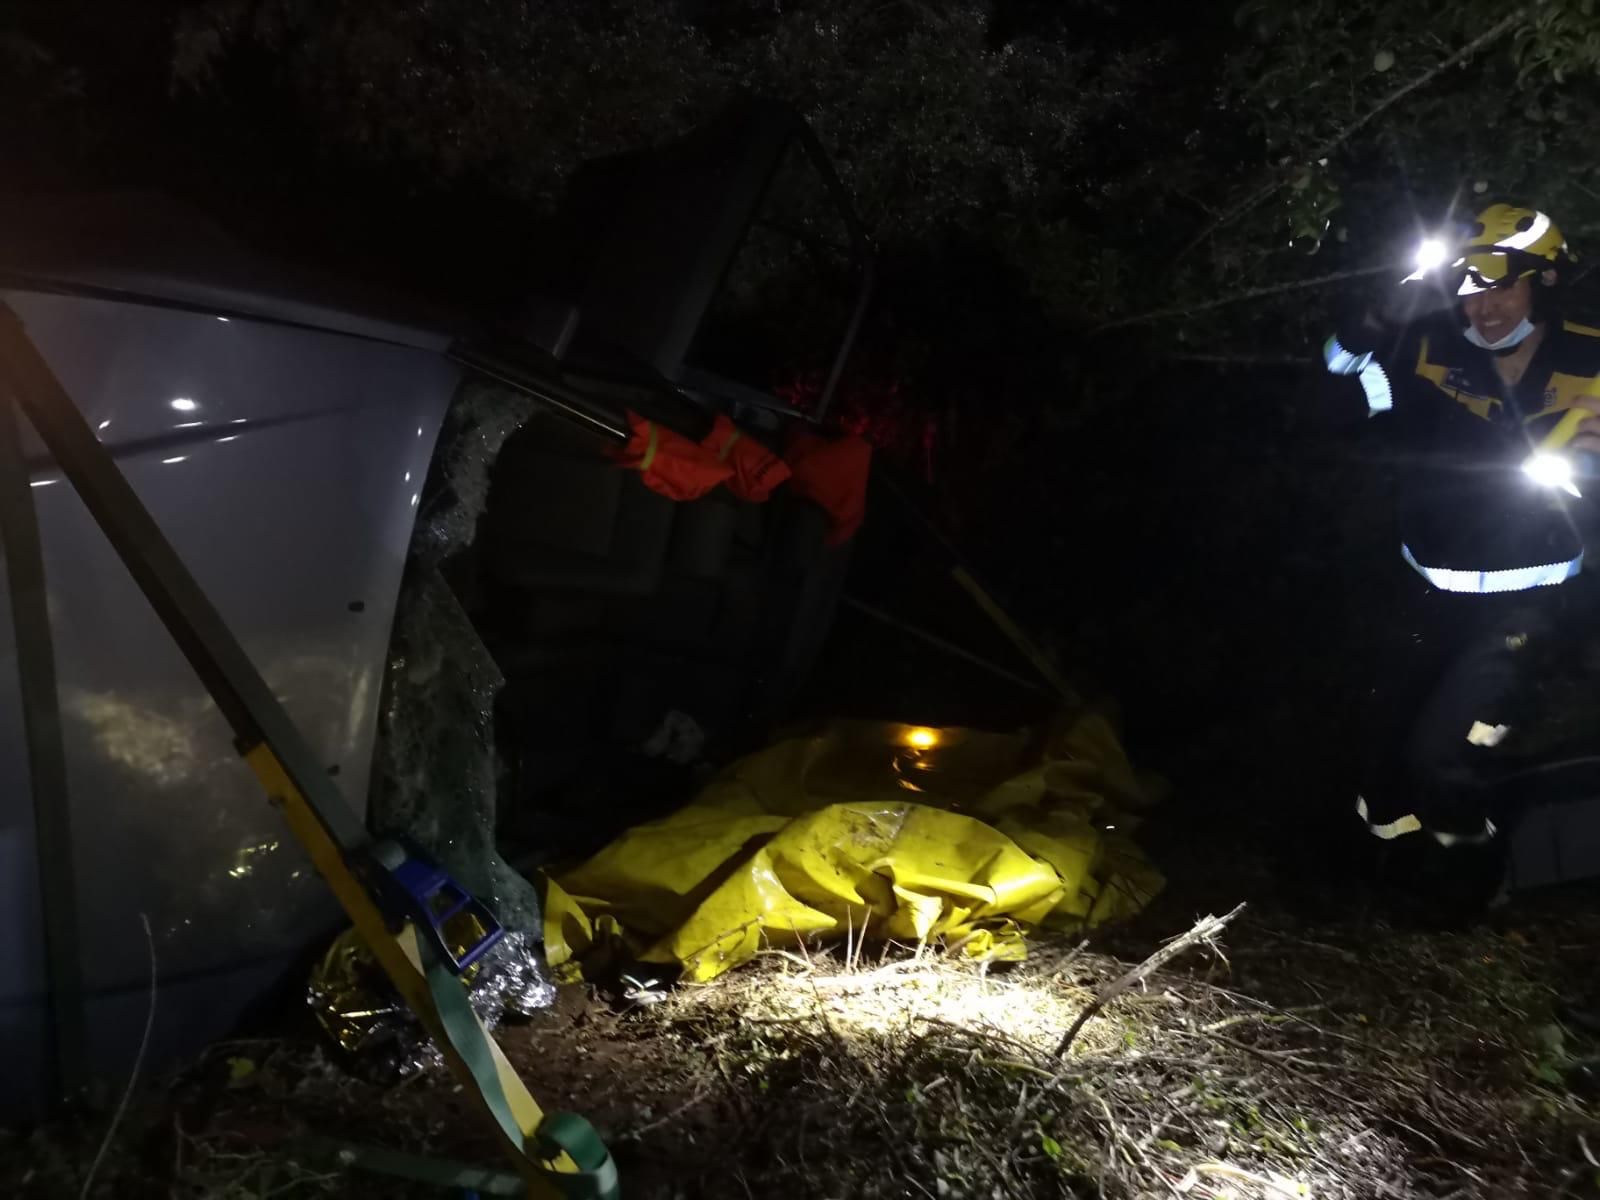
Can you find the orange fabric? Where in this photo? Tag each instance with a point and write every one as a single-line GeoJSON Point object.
{"type": "Point", "coordinates": [672, 465]}
{"type": "Point", "coordinates": [756, 470]}
{"type": "Point", "coordinates": [832, 473]}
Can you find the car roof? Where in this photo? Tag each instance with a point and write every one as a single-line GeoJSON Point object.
{"type": "Point", "coordinates": [145, 247]}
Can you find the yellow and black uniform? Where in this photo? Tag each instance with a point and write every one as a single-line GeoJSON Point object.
{"type": "Point", "coordinates": [1470, 520]}
{"type": "Point", "coordinates": [1499, 560]}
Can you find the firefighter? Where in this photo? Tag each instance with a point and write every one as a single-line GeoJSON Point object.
{"type": "Point", "coordinates": [1469, 363]}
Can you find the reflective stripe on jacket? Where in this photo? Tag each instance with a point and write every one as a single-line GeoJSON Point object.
{"type": "Point", "coordinates": [1471, 522]}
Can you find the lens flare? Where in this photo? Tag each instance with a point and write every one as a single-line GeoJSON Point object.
{"type": "Point", "coordinates": [1551, 471]}
{"type": "Point", "coordinates": [1432, 253]}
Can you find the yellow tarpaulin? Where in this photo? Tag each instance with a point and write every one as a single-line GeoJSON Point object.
{"type": "Point", "coordinates": [908, 832]}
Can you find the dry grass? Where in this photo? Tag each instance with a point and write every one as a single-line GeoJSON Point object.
{"type": "Point", "coordinates": [1402, 1067]}
{"type": "Point", "coordinates": [1324, 1063]}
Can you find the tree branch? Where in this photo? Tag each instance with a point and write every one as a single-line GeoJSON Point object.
{"type": "Point", "coordinates": [1493, 34]}
{"type": "Point", "coordinates": [1245, 360]}
{"type": "Point", "coordinates": [1260, 293]}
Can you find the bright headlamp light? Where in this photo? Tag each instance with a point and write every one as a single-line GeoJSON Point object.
{"type": "Point", "coordinates": [1552, 470]}
{"type": "Point", "coordinates": [1432, 252]}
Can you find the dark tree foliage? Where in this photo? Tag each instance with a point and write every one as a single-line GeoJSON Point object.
{"type": "Point", "coordinates": [1127, 165]}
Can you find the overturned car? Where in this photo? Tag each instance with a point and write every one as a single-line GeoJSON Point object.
{"type": "Point", "coordinates": [450, 544]}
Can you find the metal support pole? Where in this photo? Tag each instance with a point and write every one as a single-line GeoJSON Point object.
{"type": "Point", "coordinates": [47, 759]}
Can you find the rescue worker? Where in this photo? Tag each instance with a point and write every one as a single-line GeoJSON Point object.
{"type": "Point", "coordinates": [1469, 363]}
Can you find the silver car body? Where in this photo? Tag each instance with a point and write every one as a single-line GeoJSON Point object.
{"type": "Point", "coordinates": [282, 446]}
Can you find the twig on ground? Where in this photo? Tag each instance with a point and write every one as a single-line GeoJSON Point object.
{"type": "Point", "coordinates": [1068, 959]}
{"type": "Point", "coordinates": [794, 958]}
{"type": "Point", "coordinates": [1229, 1171]}
{"type": "Point", "coordinates": [638, 1132]}
{"type": "Point", "coordinates": [865, 978]}
{"type": "Point", "coordinates": [1204, 930]}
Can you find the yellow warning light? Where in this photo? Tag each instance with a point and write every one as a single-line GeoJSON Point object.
{"type": "Point", "coordinates": [922, 738]}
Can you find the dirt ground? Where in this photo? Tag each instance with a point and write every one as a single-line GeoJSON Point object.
{"type": "Point", "coordinates": [1284, 1058]}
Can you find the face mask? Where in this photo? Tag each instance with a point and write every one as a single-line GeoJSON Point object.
{"type": "Point", "coordinates": [1514, 338]}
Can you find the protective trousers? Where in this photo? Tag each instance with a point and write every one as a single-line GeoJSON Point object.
{"type": "Point", "coordinates": [1459, 701]}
